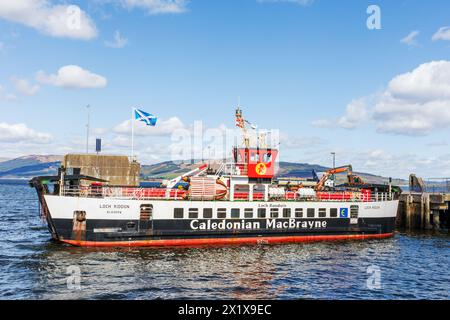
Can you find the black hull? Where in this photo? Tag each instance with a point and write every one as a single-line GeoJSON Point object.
{"type": "Point", "coordinates": [120, 231]}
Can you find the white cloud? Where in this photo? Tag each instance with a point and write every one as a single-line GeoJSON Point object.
{"type": "Point", "coordinates": [288, 142]}
{"type": "Point", "coordinates": [24, 87]}
{"type": "Point", "coordinates": [429, 81]}
{"type": "Point", "coordinates": [56, 20]}
{"type": "Point", "coordinates": [322, 123]}
{"type": "Point", "coordinates": [414, 103]}
{"type": "Point", "coordinates": [411, 118]}
{"type": "Point", "coordinates": [399, 165]}
{"type": "Point", "coordinates": [19, 132]}
{"type": "Point", "coordinates": [299, 2]}
{"type": "Point", "coordinates": [119, 41]}
{"type": "Point", "coordinates": [6, 96]}
{"type": "Point", "coordinates": [157, 6]}
{"type": "Point", "coordinates": [356, 112]}
{"type": "Point", "coordinates": [410, 39]}
{"type": "Point", "coordinates": [163, 127]}
{"type": "Point", "coordinates": [100, 131]}
{"type": "Point", "coordinates": [442, 34]}
{"type": "Point", "coordinates": [441, 143]}
{"type": "Point", "coordinates": [384, 162]}
{"type": "Point", "coordinates": [72, 76]}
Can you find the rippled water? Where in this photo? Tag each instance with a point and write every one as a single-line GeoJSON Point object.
{"type": "Point", "coordinates": [413, 266]}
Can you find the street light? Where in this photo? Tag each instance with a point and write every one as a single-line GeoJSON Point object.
{"type": "Point", "coordinates": [87, 129]}
{"type": "Point", "coordinates": [334, 166]}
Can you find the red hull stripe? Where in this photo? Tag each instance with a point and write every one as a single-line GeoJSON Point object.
{"type": "Point", "coordinates": [225, 241]}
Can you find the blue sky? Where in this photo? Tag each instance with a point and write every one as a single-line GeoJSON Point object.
{"type": "Point", "coordinates": [310, 68]}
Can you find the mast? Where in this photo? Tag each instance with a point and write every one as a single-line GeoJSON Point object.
{"type": "Point", "coordinates": [240, 122]}
{"type": "Point", "coordinates": [87, 128]}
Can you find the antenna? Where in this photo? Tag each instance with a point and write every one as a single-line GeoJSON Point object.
{"type": "Point", "coordinates": [87, 128]}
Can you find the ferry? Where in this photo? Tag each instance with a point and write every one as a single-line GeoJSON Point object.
{"type": "Point", "coordinates": [240, 202]}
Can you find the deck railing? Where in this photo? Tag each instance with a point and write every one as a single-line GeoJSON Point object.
{"type": "Point", "coordinates": [176, 194]}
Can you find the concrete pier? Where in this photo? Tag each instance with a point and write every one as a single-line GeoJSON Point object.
{"type": "Point", "coordinates": [117, 170]}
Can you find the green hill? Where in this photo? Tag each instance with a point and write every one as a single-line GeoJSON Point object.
{"type": "Point", "coordinates": [35, 165]}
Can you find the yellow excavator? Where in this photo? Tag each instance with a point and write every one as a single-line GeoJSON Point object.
{"type": "Point", "coordinates": [351, 178]}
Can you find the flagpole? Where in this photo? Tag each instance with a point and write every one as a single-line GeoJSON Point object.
{"type": "Point", "coordinates": [132, 133]}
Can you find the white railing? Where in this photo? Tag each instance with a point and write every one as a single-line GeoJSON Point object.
{"type": "Point", "coordinates": [175, 194]}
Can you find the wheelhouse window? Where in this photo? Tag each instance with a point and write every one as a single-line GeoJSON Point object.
{"type": "Point", "coordinates": [299, 212]}
{"type": "Point", "coordinates": [207, 213]}
{"type": "Point", "coordinates": [235, 213]}
{"type": "Point", "coordinates": [274, 213]}
{"type": "Point", "coordinates": [310, 212]}
{"type": "Point", "coordinates": [193, 213]}
{"type": "Point", "coordinates": [333, 213]}
{"type": "Point", "coordinates": [248, 213]}
{"type": "Point", "coordinates": [261, 212]}
{"type": "Point", "coordinates": [322, 212]}
{"type": "Point", "coordinates": [221, 213]}
{"type": "Point", "coordinates": [286, 212]}
{"type": "Point", "coordinates": [178, 213]}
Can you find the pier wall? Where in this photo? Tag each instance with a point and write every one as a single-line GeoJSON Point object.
{"type": "Point", "coordinates": [424, 211]}
{"type": "Point", "coordinates": [117, 170]}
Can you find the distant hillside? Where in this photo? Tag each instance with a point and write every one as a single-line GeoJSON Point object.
{"type": "Point", "coordinates": [38, 165]}
{"type": "Point", "coordinates": [299, 170]}
{"type": "Point", "coordinates": [30, 166]}
{"type": "Point", "coordinates": [166, 170]}
{"type": "Point", "coordinates": [170, 169]}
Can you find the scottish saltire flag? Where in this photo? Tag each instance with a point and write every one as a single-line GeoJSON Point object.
{"type": "Point", "coordinates": [146, 117]}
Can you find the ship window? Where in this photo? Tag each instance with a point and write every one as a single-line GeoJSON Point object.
{"type": "Point", "coordinates": [299, 212]}
{"type": "Point", "coordinates": [178, 213]}
{"type": "Point", "coordinates": [193, 213]}
{"type": "Point", "coordinates": [322, 212]}
{"type": "Point", "coordinates": [310, 212]}
{"type": "Point", "coordinates": [146, 211]}
{"type": "Point", "coordinates": [221, 213]}
{"type": "Point", "coordinates": [235, 213]}
{"type": "Point", "coordinates": [261, 212]}
{"type": "Point", "coordinates": [286, 212]}
{"type": "Point", "coordinates": [207, 213]}
{"type": "Point", "coordinates": [248, 213]}
{"type": "Point", "coordinates": [333, 212]}
{"type": "Point", "coordinates": [274, 213]}
{"type": "Point", "coordinates": [267, 157]}
{"type": "Point", "coordinates": [354, 211]}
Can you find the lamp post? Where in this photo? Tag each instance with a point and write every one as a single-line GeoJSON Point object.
{"type": "Point", "coordinates": [334, 166]}
{"type": "Point", "coordinates": [87, 129]}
